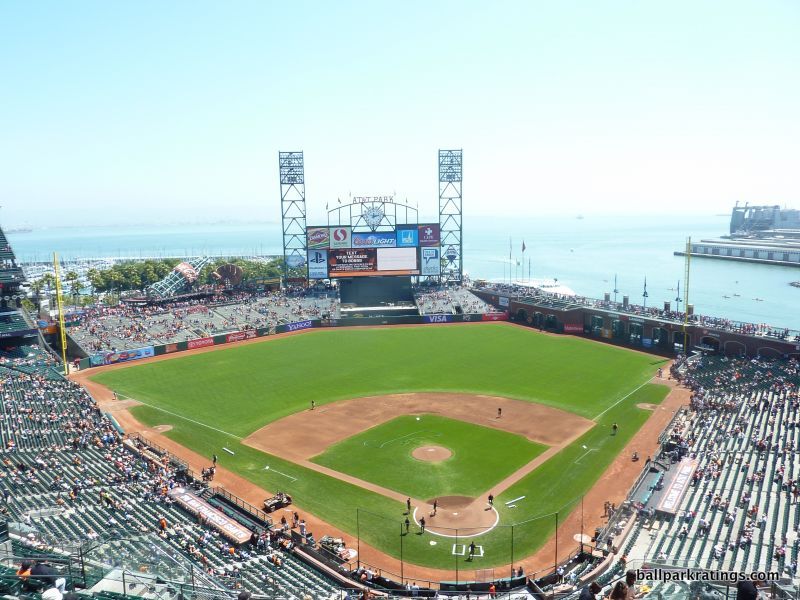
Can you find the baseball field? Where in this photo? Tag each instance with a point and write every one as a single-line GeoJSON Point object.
{"type": "Point", "coordinates": [445, 413]}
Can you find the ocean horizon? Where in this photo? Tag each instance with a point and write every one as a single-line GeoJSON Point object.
{"type": "Point", "coordinates": [584, 254]}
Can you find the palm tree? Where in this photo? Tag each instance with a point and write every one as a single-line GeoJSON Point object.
{"type": "Point", "coordinates": [72, 279]}
{"type": "Point", "coordinates": [48, 280]}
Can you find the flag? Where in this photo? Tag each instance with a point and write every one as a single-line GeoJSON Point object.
{"type": "Point", "coordinates": [523, 246]}
{"type": "Point", "coordinates": [339, 200]}
{"type": "Point", "coordinates": [326, 206]}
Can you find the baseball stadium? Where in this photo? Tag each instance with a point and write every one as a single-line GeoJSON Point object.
{"type": "Point", "coordinates": [371, 422]}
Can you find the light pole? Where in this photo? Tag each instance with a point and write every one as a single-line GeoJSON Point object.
{"type": "Point", "coordinates": [644, 293]}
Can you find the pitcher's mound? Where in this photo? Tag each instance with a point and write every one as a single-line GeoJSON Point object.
{"type": "Point", "coordinates": [432, 453]}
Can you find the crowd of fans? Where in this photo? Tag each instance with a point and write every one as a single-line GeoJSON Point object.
{"type": "Point", "coordinates": [566, 301]}
{"type": "Point", "coordinates": [743, 428]}
{"type": "Point", "coordinates": [449, 300]}
{"type": "Point", "coordinates": [127, 326]}
{"type": "Point", "coordinates": [68, 477]}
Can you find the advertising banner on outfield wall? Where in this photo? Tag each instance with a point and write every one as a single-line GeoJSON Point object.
{"type": "Point", "coordinates": [430, 260]}
{"type": "Point", "coordinates": [240, 335]}
{"type": "Point", "coordinates": [299, 325]}
{"type": "Point", "coordinates": [110, 358]}
{"type": "Point", "coordinates": [20, 333]}
{"type": "Point", "coordinates": [341, 237]}
{"type": "Point", "coordinates": [503, 301]}
{"type": "Point", "coordinates": [437, 319]}
{"type": "Point", "coordinates": [573, 328]}
{"type": "Point", "coordinates": [494, 317]}
{"type": "Point", "coordinates": [317, 237]}
{"type": "Point", "coordinates": [317, 264]}
{"type": "Point", "coordinates": [199, 343]}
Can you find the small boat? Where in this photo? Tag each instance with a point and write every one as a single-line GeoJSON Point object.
{"type": "Point", "coordinates": [726, 296]}
{"type": "Point", "coordinates": [758, 299]}
{"type": "Point", "coordinates": [736, 295]}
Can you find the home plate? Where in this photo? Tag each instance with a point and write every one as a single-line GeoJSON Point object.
{"type": "Point", "coordinates": [455, 514]}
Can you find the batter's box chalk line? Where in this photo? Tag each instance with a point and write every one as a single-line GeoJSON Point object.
{"type": "Point", "coordinates": [461, 550]}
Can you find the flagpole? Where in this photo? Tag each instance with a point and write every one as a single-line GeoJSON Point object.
{"type": "Point", "coordinates": [509, 259]}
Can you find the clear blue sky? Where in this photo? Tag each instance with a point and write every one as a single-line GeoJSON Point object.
{"type": "Point", "coordinates": [147, 111]}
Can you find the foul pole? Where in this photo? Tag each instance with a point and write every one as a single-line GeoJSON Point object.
{"type": "Point", "coordinates": [61, 326]}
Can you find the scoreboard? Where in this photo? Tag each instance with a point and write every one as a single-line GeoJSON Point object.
{"type": "Point", "coordinates": [339, 251]}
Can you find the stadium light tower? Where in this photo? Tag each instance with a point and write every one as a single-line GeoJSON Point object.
{"type": "Point", "coordinates": [450, 215]}
{"type": "Point", "coordinates": [293, 210]}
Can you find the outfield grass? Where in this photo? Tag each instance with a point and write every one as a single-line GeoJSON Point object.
{"type": "Point", "coordinates": [481, 456]}
{"type": "Point", "coordinates": [239, 389]}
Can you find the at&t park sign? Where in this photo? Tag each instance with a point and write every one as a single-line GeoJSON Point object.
{"type": "Point", "coordinates": [372, 199]}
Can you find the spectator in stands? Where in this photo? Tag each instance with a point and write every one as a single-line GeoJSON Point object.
{"type": "Point", "coordinates": [24, 571]}
{"type": "Point", "coordinates": [589, 592]}
{"type": "Point", "coordinates": [746, 590]}
{"type": "Point", "coordinates": [630, 581]}
{"type": "Point", "coordinates": [619, 591]}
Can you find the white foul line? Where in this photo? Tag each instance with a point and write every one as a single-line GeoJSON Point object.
{"type": "Point", "coordinates": [169, 412]}
{"type": "Point", "coordinates": [623, 398]}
